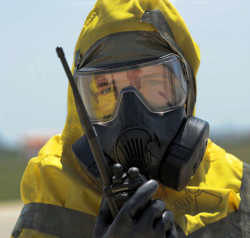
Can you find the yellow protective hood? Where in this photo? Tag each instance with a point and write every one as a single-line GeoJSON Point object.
{"type": "Point", "coordinates": [55, 177]}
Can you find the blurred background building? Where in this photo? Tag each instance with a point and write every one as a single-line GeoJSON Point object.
{"type": "Point", "coordinates": [31, 141]}
{"type": "Point", "coordinates": [33, 85]}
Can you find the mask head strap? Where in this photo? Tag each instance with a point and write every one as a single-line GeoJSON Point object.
{"type": "Point", "coordinates": [156, 18]}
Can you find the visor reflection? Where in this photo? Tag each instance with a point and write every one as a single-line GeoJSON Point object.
{"type": "Point", "coordinates": [161, 87]}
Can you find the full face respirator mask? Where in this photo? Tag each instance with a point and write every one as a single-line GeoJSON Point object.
{"type": "Point", "coordinates": [138, 109]}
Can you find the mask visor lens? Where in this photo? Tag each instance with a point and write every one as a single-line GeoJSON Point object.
{"type": "Point", "coordinates": [161, 86]}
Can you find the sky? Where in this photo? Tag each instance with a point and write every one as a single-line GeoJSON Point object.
{"type": "Point", "coordinates": [33, 85]}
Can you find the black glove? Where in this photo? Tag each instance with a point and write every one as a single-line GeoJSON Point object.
{"type": "Point", "coordinates": [140, 217]}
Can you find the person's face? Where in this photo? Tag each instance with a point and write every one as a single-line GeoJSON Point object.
{"type": "Point", "coordinates": [151, 82]}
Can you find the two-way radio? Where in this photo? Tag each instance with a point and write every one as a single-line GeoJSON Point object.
{"type": "Point", "coordinates": [119, 187]}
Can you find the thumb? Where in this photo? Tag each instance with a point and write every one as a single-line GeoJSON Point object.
{"type": "Point", "coordinates": [103, 221]}
{"type": "Point", "coordinates": [142, 196]}
{"type": "Point", "coordinates": [105, 217]}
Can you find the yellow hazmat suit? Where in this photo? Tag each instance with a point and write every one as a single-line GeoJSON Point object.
{"type": "Point", "coordinates": [61, 201]}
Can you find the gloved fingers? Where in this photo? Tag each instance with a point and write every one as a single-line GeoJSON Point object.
{"type": "Point", "coordinates": [104, 204]}
{"type": "Point", "coordinates": [141, 198]}
{"type": "Point", "coordinates": [166, 222]}
{"type": "Point", "coordinates": [152, 213]}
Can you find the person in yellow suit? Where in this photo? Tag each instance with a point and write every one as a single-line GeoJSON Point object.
{"type": "Point", "coordinates": [135, 67]}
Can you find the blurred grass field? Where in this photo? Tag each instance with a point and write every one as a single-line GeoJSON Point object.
{"type": "Point", "coordinates": [13, 164]}
{"type": "Point", "coordinates": [242, 152]}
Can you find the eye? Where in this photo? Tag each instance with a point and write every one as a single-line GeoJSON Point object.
{"type": "Point", "coordinates": [107, 90]}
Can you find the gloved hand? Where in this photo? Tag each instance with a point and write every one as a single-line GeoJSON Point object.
{"type": "Point", "coordinates": [140, 217]}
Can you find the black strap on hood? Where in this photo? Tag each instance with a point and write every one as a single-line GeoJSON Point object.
{"type": "Point", "coordinates": [123, 47]}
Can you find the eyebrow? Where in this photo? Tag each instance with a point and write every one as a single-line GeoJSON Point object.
{"type": "Point", "coordinates": [102, 84]}
{"type": "Point", "coordinates": [146, 76]}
